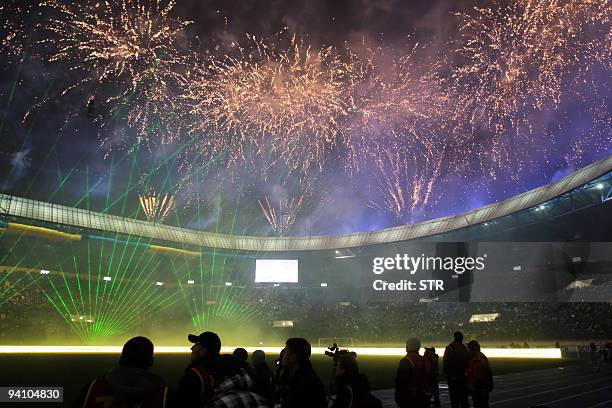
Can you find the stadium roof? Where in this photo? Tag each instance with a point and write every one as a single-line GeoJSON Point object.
{"type": "Point", "coordinates": [75, 217]}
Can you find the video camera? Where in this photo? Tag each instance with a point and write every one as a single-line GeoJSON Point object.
{"type": "Point", "coordinates": [336, 353]}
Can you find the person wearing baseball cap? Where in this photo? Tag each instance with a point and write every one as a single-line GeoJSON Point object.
{"type": "Point", "coordinates": [196, 387]}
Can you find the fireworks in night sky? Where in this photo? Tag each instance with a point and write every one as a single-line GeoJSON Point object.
{"type": "Point", "coordinates": [394, 96]}
{"type": "Point", "coordinates": [156, 207]}
{"type": "Point", "coordinates": [518, 90]}
{"type": "Point", "coordinates": [128, 52]}
{"type": "Point", "coordinates": [517, 57]}
{"type": "Point", "coordinates": [283, 104]}
{"type": "Point", "coordinates": [282, 215]}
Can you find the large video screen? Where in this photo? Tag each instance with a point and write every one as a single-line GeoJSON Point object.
{"type": "Point", "coordinates": [276, 270]}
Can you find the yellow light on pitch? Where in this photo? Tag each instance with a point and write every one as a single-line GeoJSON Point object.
{"type": "Point", "coordinates": [541, 353]}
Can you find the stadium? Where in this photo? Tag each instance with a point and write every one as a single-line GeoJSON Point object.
{"type": "Point", "coordinates": [350, 178]}
{"type": "Point", "coordinates": [103, 275]}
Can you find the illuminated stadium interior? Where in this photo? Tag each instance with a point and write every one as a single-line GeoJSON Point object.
{"type": "Point", "coordinates": [352, 172]}
{"type": "Point", "coordinates": [105, 276]}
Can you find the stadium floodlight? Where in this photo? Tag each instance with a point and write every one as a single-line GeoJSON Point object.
{"type": "Point", "coordinates": [323, 284]}
{"type": "Point", "coordinates": [44, 272]}
{"type": "Point", "coordinates": [517, 268]}
{"type": "Point", "coordinates": [228, 283]}
{"type": "Point", "coordinates": [600, 186]}
{"type": "Point", "coordinates": [486, 224]}
{"type": "Point", "coordinates": [107, 278]}
{"type": "Point", "coordinates": [159, 283]}
{"type": "Point", "coordinates": [190, 282]}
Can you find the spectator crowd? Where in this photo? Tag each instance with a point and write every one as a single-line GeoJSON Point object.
{"type": "Point", "coordinates": [215, 380]}
{"type": "Point", "coordinates": [364, 321]}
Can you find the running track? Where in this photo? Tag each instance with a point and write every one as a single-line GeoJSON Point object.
{"type": "Point", "coordinates": [577, 386]}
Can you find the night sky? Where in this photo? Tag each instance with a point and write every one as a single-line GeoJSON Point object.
{"type": "Point", "coordinates": [51, 143]}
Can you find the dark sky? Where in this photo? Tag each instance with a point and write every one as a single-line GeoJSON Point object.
{"type": "Point", "coordinates": [51, 158]}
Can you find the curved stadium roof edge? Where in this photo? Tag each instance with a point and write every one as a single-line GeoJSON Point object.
{"type": "Point", "coordinates": [57, 214]}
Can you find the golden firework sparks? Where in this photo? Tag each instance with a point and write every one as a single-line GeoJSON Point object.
{"type": "Point", "coordinates": [407, 172]}
{"type": "Point", "coordinates": [155, 207]}
{"type": "Point", "coordinates": [129, 51]}
{"type": "Point", "coordinates": [516, 58]}
{"type": "Point", "coordinates": [265, 101]}
{"type": "Point", "coordinates": [394, 94]}
{"type": "Point", "coordinates": [281, 216]}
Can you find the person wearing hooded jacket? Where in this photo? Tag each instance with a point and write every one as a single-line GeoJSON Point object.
{"type": "Point", "coordinates": [232, 385]}
{"type": "Point", "coordinates": [130, 384]}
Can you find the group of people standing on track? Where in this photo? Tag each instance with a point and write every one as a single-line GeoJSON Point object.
{"type": "Point", "coordinates": [213, 380]}
{"type": "Point", "coordinates": [465, 367]}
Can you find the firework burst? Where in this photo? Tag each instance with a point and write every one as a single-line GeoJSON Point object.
{"type": "Point", "coordinates": [265, 101]}
{"type": "Point", "coordinates": [407, 172]}
{"type": "Point", "coordinates": [589, 50]}
{"type": "Point", "coordinates": [282, 215]}
{"type": "Point", "coordinates": [130, 56]}
{"type": "Point", "coordinates": [514, 59]}
{"type": "Point", "coordinates": [14, 36]}
{"type": "Point", "coordinates": [155, 207]}
{"type": "Point", "coordinates": [393, 97]}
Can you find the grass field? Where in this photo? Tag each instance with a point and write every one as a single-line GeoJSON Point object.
{"type": "Point", "coordinates": [75, 370]}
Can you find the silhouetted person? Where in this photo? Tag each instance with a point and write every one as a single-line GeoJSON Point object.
{"type": "Point", "coordinates": [606, 355]}
{"type": "Point", "coordinates": [412, 378]}
{"type": "Point", "coordinates": [195, 388]}
{"type": "Point", "coordinates": [456, 357]}
{"type": "Point", "coordinates": [352, 388]}
{"type": "Point", "coordinates": [302, 387]}
{"type": "Point", "coordinates": [432, 360]}
{"type": "Point", "coordinates": [232, 384]}
{"type": "Point", "coordinates": [281, 378]}
{"type": "Point", "coordinates": [593, 352]}
{"type": "Point", "coordinates": [478, 376]}
{"type": "Point", "coordinates": [130, 384]}
{"type": "Point", "coordinates": [242, 356]}
{"type": "Point", "coordinates": [262, 376]}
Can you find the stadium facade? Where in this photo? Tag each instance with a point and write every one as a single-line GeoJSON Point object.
{"type": "Point", "coordinates": [586, 188]}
